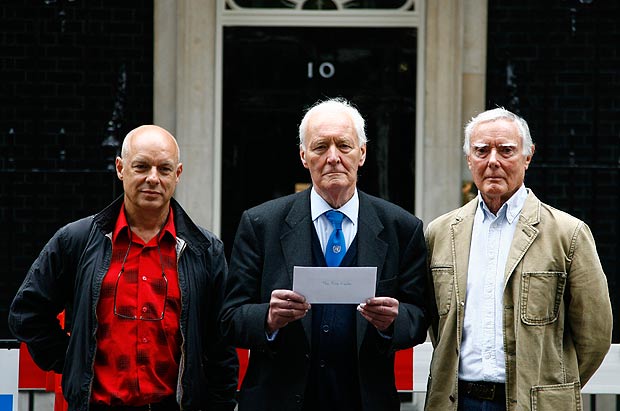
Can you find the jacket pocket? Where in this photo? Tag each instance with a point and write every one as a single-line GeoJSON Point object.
{"type": "Point", "coordinates": [556, 397]}
{"type": "Point", "coordinates": [443, 283]}
{"type": "Point", "coordinates": [541, 296]}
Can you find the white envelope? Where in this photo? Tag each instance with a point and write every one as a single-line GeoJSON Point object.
{"type": "Point", "coordinates": [335, 285]}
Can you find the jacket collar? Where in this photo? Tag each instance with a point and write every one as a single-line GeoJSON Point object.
{"type": "Point", "coordinates": [461, 233]}
{"type": "Point", "coordinates": [185, 227]}
{"type": "Point", "coordinates": [525, 233]}
{"type": "Point", "coordinates": [294, 239]}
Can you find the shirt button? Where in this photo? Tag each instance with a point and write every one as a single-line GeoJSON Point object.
{"type": "Point", "coordinates": [325, 328]}
{"type": "Point", "coordinates": [322, 364]}
{"type": "Point", "coordinates": [144, 309]}
{"type": "Point", "coordinates": [144, 278]}
{"type": "Point", "coordinates": [145, 340]}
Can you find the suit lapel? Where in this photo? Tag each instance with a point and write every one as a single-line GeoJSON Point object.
{"type": "Point", "coordinates": [371, 251]}
{"type": "Point", "coordinates": [525, 234]}
{"type": "Point", "coordinates": [297, 234]}
{"type": "Point", "coordinates": [295, 241]}
{"type": "Point", "coordinates": [461, 232]}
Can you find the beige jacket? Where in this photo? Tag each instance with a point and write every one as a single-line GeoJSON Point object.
{"type": "Point", "coordinates": [557, 312]}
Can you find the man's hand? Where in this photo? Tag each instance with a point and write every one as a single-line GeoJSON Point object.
{"type": "Point", "coordinates": [285, 306]}
{"type": "Point", "coordinates": [379, 311]}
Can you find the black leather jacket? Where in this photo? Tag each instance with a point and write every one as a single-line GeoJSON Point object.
{"type": "Point", "coordinates": [68, 275]}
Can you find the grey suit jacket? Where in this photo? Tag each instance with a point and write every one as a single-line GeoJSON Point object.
{"type": "Point", "coordinates": [276, 236]}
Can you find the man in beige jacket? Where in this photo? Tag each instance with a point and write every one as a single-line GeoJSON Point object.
{"type": "Point", "coordinates": [521, 316]}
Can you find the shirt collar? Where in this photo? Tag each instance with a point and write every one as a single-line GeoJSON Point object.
{"type": "Point", "coordinates": [122, 225]}
{"type": "Point", "coordinates": [511, 208]}
{"type": "Point", "coordinates": [318, 206]}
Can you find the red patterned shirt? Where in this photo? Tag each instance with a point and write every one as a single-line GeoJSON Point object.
{"type": "Point", "coordinates": [138, 351]}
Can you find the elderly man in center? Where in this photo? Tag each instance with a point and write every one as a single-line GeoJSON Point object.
{"type": "Point", "coordinates": [325, 356]}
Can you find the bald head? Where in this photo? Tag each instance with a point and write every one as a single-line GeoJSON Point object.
{"type": "Point", "coordinates": [148, 129]}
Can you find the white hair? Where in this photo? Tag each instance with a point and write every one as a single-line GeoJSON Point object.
{"type": "Point", "coordinates": [334, 104]}
{"type": "Point", "coordinates": [496, 114]}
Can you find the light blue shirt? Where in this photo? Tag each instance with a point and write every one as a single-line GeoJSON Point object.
{"type": "Point", "coordinates": [482, 348]}
{"type": "Point", "coordinates": [323, 227]}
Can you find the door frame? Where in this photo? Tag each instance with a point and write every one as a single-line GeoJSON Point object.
{"type": "Point", "coordinates": [411, 15]}
{"type": "Point", "coordinates": [451, 74]}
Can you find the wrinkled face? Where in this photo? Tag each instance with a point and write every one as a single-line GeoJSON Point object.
{"type": "Point", "coordinates": [496, 159]}
{"type": "Point", "coordinates": [333, 153]}
{"type": "Point", "coordinates": [150, 170]}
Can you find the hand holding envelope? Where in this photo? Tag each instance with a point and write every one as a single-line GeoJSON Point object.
{"type": "Point", "coordinates": [379, 311]}
{"type": "Point", "coordinates": [285, 306]}
{"type": "Point", "coordinates": [346, 285]}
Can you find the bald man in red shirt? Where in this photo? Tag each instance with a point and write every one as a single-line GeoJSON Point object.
{"type": "Point", "coordinates": [142, 285]}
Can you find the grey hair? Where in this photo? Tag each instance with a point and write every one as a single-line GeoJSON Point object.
{"type": "Point", "coordinates": [334, 104]}
{"type": "Point", "coordinates": [496, 114]}
{"type": "Point", "coordinates": [129, 136]}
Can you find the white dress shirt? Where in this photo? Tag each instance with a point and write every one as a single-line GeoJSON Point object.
{"type": "Point", "coordinates": [482, 355]}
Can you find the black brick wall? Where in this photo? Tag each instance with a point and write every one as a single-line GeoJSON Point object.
{"type": "Point", "coordinates": [564, 56]}
{"type": "Point", "coordinates": [67, 69]}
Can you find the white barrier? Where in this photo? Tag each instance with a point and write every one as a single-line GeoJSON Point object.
{"type": "Point", "coordinates": [9, 375]}
{"type": "Point", "coordinates": [605, 381]}
{"type": "Point", "coordinates": [421, 365]}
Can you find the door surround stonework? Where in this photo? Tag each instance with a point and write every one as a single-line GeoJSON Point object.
{"type": "Point", "coordinates": [187, 52]}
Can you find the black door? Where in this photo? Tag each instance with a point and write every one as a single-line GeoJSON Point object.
{"type": "Point", "coordinates": [272, 74]}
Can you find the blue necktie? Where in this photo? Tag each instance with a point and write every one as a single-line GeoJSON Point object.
{"type": "Point", "coordinates": [336, 246]}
